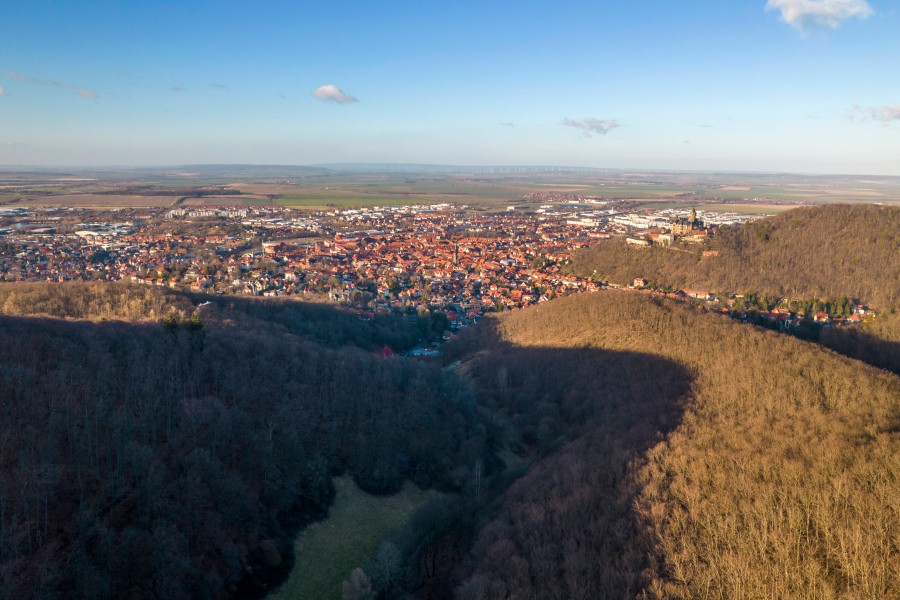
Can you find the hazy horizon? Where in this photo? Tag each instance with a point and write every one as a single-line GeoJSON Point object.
{"type": "Point", "coordinates": [429, 168]}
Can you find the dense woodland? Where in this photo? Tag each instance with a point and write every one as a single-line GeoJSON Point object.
{"type": "Point", "coordinates": [804, 256]}
{"type": "Point", "coordinates": [175, 457]}
{"type": "Point", "coordinates": [683, 455]}
{"type": "Point", "coordinates": [877, 342]}
{"type": "Point", "coordinates": [314, 321]}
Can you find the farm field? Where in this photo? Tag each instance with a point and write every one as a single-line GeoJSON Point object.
{"type": "Point", "coordinates": [95, 200]}
{"type": "Point", "coordinates": [366, 192]}
{"type": "Point", "coordinates": [324, 189]}
{"type": "Point", "coordinates": [242, 200]}
{"type": "Point", "coordinates": [319, 202]}
{"type": "Point", "coordinates": [748, 209]}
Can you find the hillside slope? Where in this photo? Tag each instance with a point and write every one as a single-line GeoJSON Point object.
{"type": "Point", "coordinates": [820, 252]}
{"type": "Point", "coordinates": [319, 322]}
{"type": "Point", "coordinates": [176, 459]}
{"type": "Point", "coordinates": [765, 466]}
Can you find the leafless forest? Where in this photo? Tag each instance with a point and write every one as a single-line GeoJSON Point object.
{"type": "Point", "coordinates": [158, 444]}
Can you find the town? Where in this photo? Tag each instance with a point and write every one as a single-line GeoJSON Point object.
{"type": "Point", "coordinates": [409, 258]}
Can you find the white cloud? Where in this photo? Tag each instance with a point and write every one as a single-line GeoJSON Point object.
{"type": "Point", "coordinates": [87, 93]}
{"type": "Point", "coordinates": [815, 14]}
{"type": "Point", "coordinates": [886, 113]}
{"type": "Point", "coordinates": [2, 91]}
{"type": "Point", "coordinates": [332, 93]}
{"type": "Point", "coordinates": [591, 125]}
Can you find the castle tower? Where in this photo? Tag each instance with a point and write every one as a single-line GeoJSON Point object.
{"type": "Point", "coordinates": [693, 215]}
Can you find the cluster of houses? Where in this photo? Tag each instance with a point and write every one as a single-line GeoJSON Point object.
{"type": "Point", "coordinates": [779, 317]}
{"type": "Point", "coordinates": [786, 320]}
{"type": "Point", "coordinates": [389, 271]}
{"type": "Point", "coordinates": [379, 259]}
{"type": "Point", "coordinates": [405, 258]}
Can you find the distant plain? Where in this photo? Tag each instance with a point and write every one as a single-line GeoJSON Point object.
{"type": "Point", "coordinates": [322, 189]}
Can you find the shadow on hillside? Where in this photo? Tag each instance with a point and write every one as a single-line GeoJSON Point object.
{"type": "Point", "coordinates": [570, 523]}
{"type": "Point", "coordinates": [179, 459]}
{"type": "Point", "coordinates": [864, 346]}
{"type": "Point", "coordinates": [570, 526]}
{"type": "Point", "coordinates": [321, 322]}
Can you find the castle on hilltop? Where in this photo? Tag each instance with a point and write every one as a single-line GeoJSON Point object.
{"type": "Point", "coordinates": [682, 226]}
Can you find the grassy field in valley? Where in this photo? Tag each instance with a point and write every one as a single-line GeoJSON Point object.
{"type": "Point", "coordinates": [326, 552]}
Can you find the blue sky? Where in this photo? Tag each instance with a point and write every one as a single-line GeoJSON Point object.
{"type": "Point", "coordinates": [750, 85]}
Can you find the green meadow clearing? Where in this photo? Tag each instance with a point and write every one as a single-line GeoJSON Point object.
{"type": "Point", "coordinates": [325, 552]}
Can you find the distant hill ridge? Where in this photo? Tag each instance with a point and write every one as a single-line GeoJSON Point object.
{"type": "Point", "coordinates": [451, 169]}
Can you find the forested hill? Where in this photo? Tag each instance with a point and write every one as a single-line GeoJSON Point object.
{"type": "Point", "coordinates": [175, 456]}
{"type": "Point", "coordinates": [155, 446]}
{"type": "Point", "coordinates": [318, 322]}
{"type": "Point", "coordinates": [681, 455]}
{"type": "Point", "coordinates": [822, 252]}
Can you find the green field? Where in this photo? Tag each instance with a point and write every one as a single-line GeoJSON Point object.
{"type": "Point", "coordinates": [747, 209]}
{"type": "Point", "coordinates": [324, 189]}
{"type": "Point", "coordinates": [775, 193]}
{"type": "Point", "coordinates": [326, 552]}
{"type": "Point", "coordinates": [632, 191]}
{"type": "Point", "coordinates": [396, 191]}
{"type": "Point", "coordinates": [324, 202]}
{"type": "Point", "coordinates": [500, 191]}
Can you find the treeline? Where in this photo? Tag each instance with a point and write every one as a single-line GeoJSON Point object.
{"type": "Point", "coordinates": [822, 252]}
{"type": "Point", "coordinates": [841, 307]}
{"type": "Point", "coordinates": [81, 300]}
{"type": "Point", "coordinates": [177, 460]}
{"type": "Point", "coordinates": [316, 321]}
{"type": "Point", "coordinates": [876, 342]}
{"type": "Point", "coordinates": [680, 455]}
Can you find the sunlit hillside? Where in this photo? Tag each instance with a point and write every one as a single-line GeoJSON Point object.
{"type": "Point", "coordinates": [820, 252]}
{"type": "Point", "coordinates": [757, 465]}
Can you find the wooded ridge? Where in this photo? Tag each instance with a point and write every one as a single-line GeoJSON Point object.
{"type": "Point", "coordinates": [697, 458]}
{"type": "Point", "coordinates": [176, 460]}
{"type": "Point", "coordinates": [805, 254]}
{"type": "Point", "coordinates": [156, 444]}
